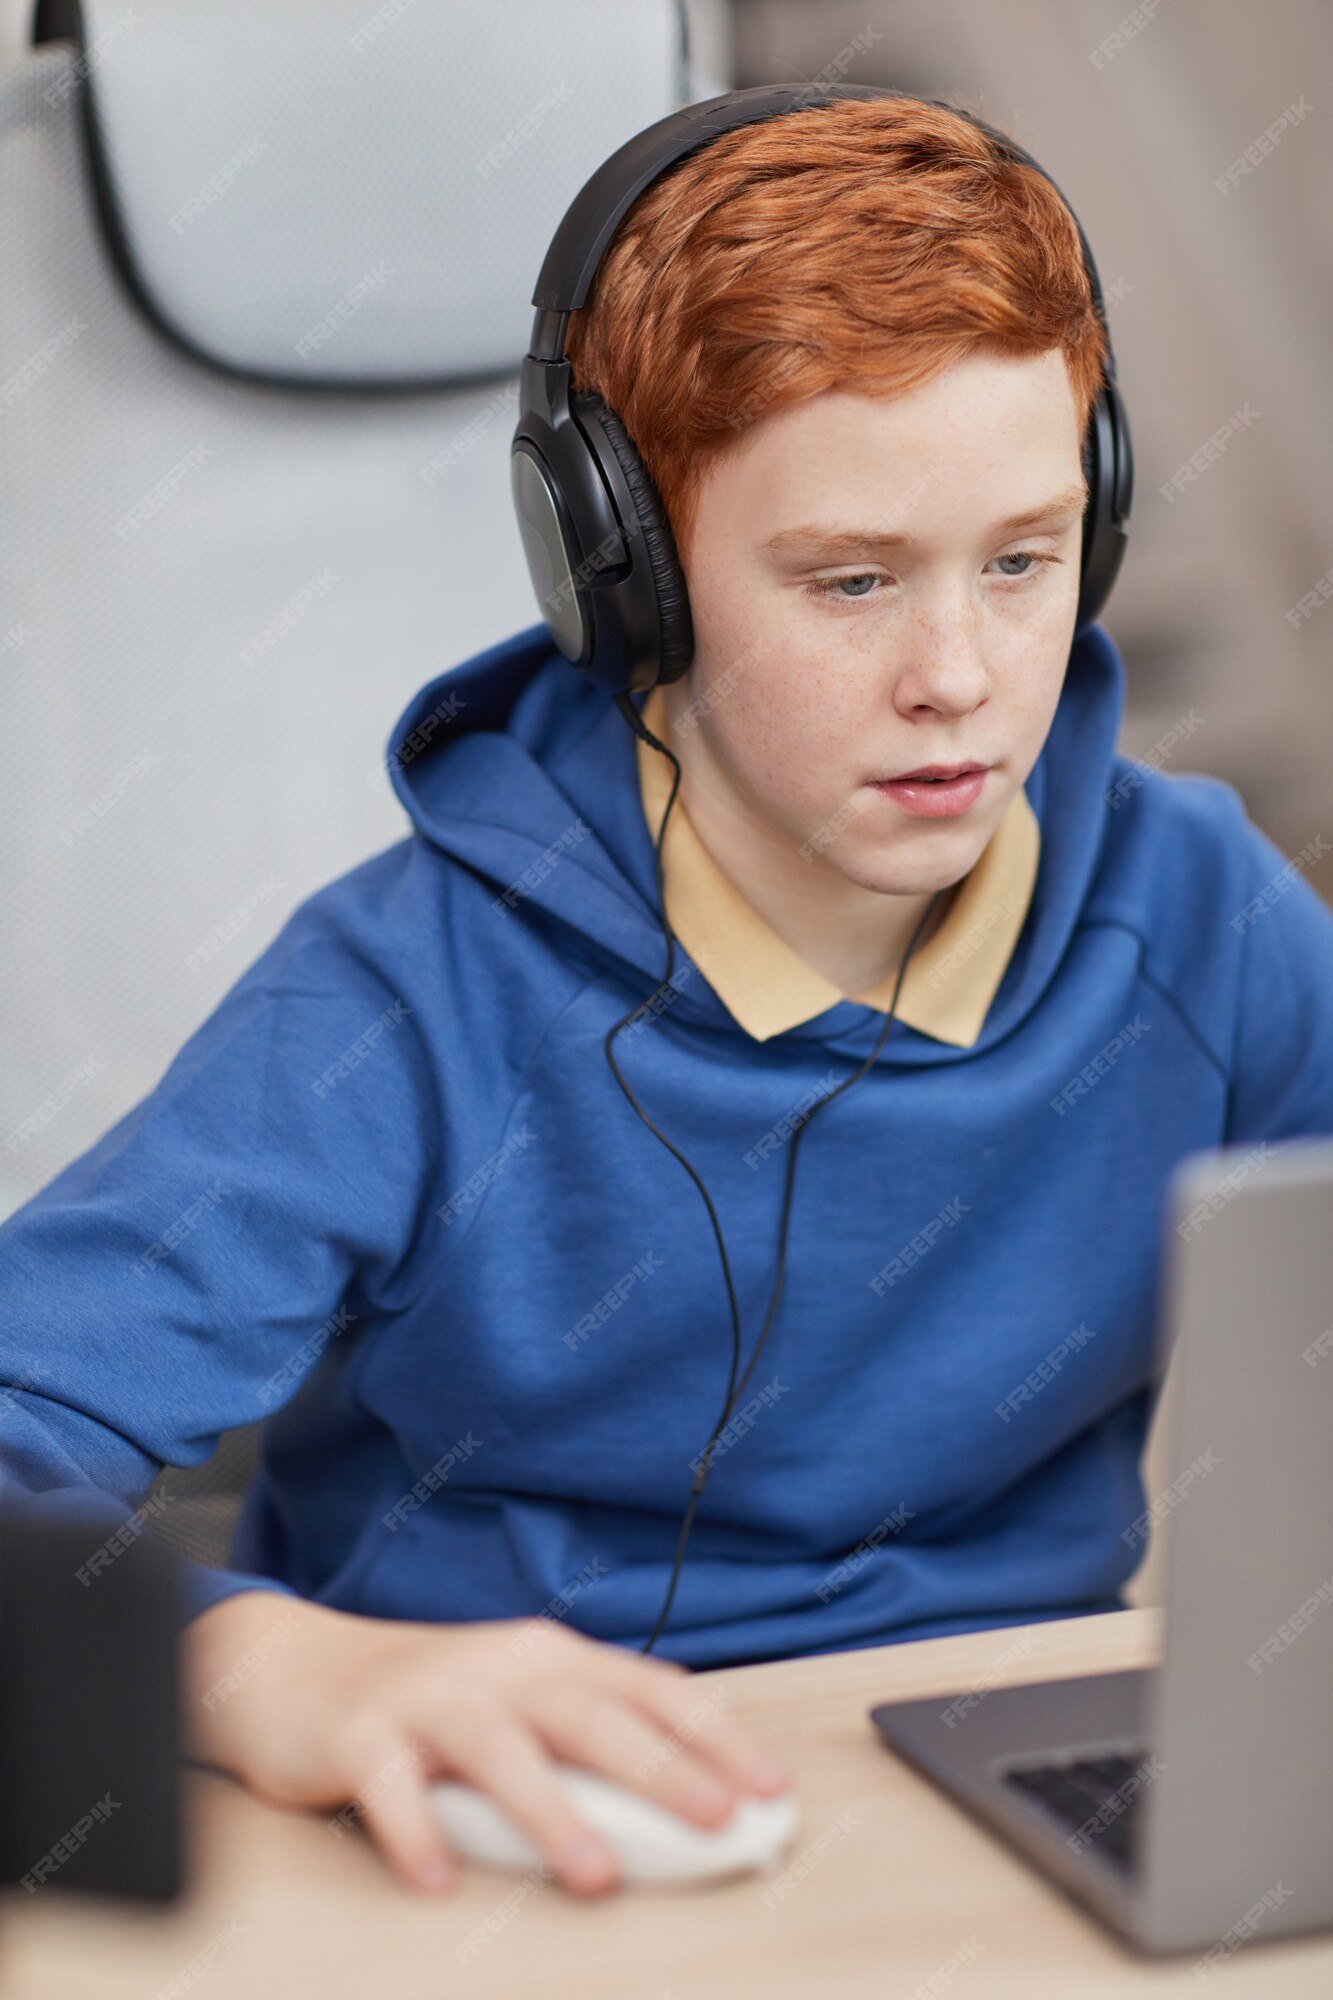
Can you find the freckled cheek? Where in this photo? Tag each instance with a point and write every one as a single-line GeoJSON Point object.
{"type": "Point", "coordinates": [1026, 690]}
{"type": "Point", "coordinates": [794, 747]}
{"type": "Point", "coordinates": [765, 726]}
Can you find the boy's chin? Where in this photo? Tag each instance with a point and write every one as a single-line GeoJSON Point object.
{"type": "Point", "coordinates": [937, 857]}
{"type": "Point", "coordinates": [898, 882]}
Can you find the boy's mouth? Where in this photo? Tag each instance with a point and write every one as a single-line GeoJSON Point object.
{"type": "Point", "coordinates": [936, 791]}
{"type": "Point", "coordinates": [933, 773]}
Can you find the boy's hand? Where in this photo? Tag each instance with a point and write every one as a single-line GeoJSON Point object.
{"type": "Point", "coordinates": [343, 1708]}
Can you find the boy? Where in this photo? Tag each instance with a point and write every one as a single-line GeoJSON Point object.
{"type": "Point", "coordinates": [391, 1196]}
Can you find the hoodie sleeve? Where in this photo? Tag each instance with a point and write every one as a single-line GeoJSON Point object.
{"type": "Point", "coordinates": [153, 1293]}
{"type": "Point", "coordinates": [1282, 1072]}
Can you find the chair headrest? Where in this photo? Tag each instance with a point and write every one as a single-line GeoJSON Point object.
{"type": "Point", "coordinates": [338, 193]}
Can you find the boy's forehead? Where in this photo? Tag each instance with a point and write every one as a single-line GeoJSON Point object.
{"type": "Point", "coordinates": [978, 384]}
{"type": "Point", "coordinates": [982, 407]}
{"type": "Point", "coordinates": [850, 462]}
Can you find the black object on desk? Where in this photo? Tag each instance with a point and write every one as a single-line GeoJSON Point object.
{"type": "Point", "coordinates": [89, 1707]}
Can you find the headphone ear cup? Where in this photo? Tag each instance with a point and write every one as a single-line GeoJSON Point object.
{"type": "Point", "coordinates": [673, 599]}
{"type": "Point", "coordinates": [1107, 467]}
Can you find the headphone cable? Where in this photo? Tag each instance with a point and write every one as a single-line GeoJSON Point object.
{"type": "Point", "coordinates": [734, 1386]}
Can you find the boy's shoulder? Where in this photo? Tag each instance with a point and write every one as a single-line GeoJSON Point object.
{"type": "Point", "coordinates": [375, 927]}
{"type": "Point", "coordinates": [414, 915]}
{"type": "Point", "coordinates": [1185, 868]}
{"type": "Point", "coordinates": [1141, 793]}
{"type": "Point", "coordinates": [1187, 831]}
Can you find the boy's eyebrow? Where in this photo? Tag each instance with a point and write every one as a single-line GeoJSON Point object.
{"type": "Point", "coordinates": [816, 540]}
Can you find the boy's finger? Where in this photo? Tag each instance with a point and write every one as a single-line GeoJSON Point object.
{"type": "Point", "coordinates": [505, 1760]}
{"type": "Point", "coordinates": [393, 1803]}
{"type": "Point", "coordinates": [696, 1716]}
{"type": "Point", "coordinates": [603, 1732]}
{"type": "Point", "coordinates": [693, 1711]}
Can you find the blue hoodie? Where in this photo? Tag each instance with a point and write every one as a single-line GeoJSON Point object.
{"type": "Point", "coordinates": [390, 1197]}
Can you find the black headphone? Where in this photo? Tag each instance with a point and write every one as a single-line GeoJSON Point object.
{"type": "Point", "coordinates": [608, 578]}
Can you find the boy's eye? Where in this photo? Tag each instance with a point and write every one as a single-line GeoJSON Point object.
{"type": "Point", "coordinates": [1023, 556]}
{"type": "Point", "coordinates": [826, 586]}
{"type": "Point", "coordinates": [847, 589]}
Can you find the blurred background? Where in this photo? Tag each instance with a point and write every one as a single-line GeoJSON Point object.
{"type": "Point", "coordinates": [220, 582]}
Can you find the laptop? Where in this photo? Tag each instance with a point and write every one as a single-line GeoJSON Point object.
{"type": "Point", "coordinates": [1189, 1806]}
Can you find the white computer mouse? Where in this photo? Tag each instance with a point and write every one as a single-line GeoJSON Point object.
{"type": "Point", "coordinates": [653, 1846]}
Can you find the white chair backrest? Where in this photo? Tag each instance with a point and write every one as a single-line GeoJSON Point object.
{"type": "Point", "coordinates": [223, 571]}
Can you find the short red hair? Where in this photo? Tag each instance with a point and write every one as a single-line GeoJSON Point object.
{"type": "Point", "coordinates": [863, 244]}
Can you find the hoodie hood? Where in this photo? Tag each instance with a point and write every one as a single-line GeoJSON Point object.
{"type": "Point", "coordinates": [514, 757]}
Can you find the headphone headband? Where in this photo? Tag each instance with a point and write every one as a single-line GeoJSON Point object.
{"type": "Point", "coordinates": [597, 210]}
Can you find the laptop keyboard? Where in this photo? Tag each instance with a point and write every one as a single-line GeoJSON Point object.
{"type": "Point", "coordinates": [1088, 1798]}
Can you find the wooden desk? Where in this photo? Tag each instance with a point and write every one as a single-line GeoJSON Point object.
{"type": "Point", "coordinates": [897, 1894]}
